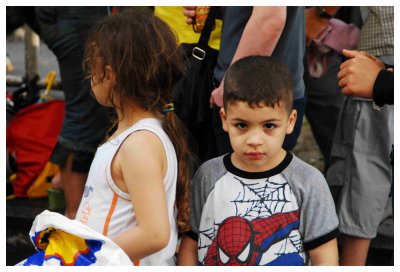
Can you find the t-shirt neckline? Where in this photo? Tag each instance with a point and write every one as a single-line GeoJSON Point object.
{"type": "Point", "coordinates": [256, 175]}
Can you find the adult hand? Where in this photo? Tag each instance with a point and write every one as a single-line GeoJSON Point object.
{"type": "Point", "coordinates": [190, 13]}
{"type": "Point", "coordinates": [217, 95]}
{"type": "Point", "coordinates": [357, 75]}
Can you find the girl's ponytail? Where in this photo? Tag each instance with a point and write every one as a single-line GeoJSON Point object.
{"type": "Point", "coordinates": [178, 134]}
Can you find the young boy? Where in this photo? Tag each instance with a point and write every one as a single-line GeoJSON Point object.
{"type": "Point", "coordinates": [259, 205]}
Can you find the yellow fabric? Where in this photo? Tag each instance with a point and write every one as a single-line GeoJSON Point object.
{"type": "Point", "coordinates": [174, 17]}
{"type": "Point", "coordinates": [43, 182]}
{"type": "Point", "coordinates": [63, 245]}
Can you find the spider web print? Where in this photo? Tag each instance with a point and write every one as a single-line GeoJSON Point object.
{"type": "Point", "coordinates": [291, 244]}
{"type": "Point", "coordinates": [207, 236]}
{"type": "Point", "coordinates": [293, 241]}
{"type": "Point", "coordinates": [262, 199]}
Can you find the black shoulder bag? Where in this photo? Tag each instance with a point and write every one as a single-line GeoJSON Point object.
{"type": "Point", "coordinates": [191, 94]}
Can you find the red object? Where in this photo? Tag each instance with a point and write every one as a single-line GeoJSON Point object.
{"type": "Point", "coordinates": [31, 137]}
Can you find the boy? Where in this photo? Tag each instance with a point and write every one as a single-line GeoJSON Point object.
{"type": "Point", "coordinates": [259, 205]}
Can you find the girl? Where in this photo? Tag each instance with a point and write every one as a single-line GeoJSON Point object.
{"type": "Point", "coordinates": [135, 193]}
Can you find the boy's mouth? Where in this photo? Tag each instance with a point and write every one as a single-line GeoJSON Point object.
{"type": "Point", "coordinates": [254, 155]}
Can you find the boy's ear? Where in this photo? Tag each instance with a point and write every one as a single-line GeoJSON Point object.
{"type": "Point", "coordinates": [222, 114]}
{"type": "Point", "coordinates": [291, 121]}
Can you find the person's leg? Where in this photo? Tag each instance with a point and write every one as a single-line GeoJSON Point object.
{"type": "Point", "coordinates": [354, 250]}
{"type": "Point", "coordinates": [73, 185]}
{"type": "Point", "coordinates": [56, 182]}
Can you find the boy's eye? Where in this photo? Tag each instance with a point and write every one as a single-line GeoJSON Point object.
{"type": "Point", "coordinates": [269, 126]}
{"type": "Point", "coordinates": [241, 125]}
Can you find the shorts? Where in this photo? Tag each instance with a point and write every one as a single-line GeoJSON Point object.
{"type": "Point", "coordinates": [360, 167]}
{"type": "Point", "coordinates": [81, 160]}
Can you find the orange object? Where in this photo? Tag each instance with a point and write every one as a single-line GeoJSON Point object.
{"type": "Point", "coordinates": [43, 182]}
{"type": "Point", "coordinates": [201, 17]}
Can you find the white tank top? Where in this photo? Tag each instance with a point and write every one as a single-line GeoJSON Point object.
{"type": "Point", "coordinates": [108, 210]}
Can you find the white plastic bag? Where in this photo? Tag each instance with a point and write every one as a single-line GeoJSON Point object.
{"type": "Point", "coordinates": [64, 242]}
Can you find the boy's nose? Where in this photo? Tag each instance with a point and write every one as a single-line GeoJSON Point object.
{"type": "Point", "coordinates": [254, 138]}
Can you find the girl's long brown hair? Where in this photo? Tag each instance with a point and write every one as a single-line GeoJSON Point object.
{"type": "Point", "coordinates": [146, 59]}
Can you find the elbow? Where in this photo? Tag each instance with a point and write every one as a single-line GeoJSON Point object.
{"type": "Point", "coordinates": [160, 240]}
{"type": "Point", "coordinates": [163, 241]}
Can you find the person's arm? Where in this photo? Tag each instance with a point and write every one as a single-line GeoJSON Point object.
{"type": "Point", "coordinates": [262, 32]}
{"type": "Point", "coordinates": [187, 251]}
{"type": "Point", "coordinates": [383, 90]}
{"type": "Point", "coordinates": [141, 159]}
{"type": "Point", "coordinates": [325, 254]}
{"type": "Point", "coordinates": [260, 36]}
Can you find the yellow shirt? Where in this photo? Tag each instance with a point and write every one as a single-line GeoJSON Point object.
{"type": "Point", "coordinates": [174, 17]}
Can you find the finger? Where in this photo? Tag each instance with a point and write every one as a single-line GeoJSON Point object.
{"type": "Point", "coordinates": [342, 73]}
{"type": "Point", "coordinates": [349, 53]}
{"type": "Point", "coordinates": [343, 82]}
{"type": "Point", "coordinates": [189, 21]}
{"type": "Point", "coordinates": [189, 12]}
{"type": "Point", "coordinates": [345, 90]}
{"type": "Point", "coordinates": [344, 65]}
{"type": "Point", "coordinates": [390, 70]}
{"type": "Point", "coordinates": [357, 54]}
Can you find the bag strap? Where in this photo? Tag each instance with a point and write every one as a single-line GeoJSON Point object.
{"type": "Point", "coordinates": [206, 33]}
{"type": "Point", "coordinates": [198, 51]}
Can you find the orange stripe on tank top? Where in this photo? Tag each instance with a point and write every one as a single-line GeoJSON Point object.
{"type": "Point", "coordinates": [110, 213]}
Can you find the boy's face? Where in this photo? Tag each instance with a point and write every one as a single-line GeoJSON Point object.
{"type": "Point", "coordinates": [256, 134]}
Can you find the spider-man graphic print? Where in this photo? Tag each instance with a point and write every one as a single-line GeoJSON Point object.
{"type": "Point", "coordinates": [242, 242]}
{"type": "Point", "coordinates": [257, 224]}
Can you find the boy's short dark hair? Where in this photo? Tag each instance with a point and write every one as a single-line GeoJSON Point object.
{"type": "Point", "coordinates": [259, 80]}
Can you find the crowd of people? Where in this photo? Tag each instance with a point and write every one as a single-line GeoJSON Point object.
{"type": "Point", "coordinates": [129, 172]}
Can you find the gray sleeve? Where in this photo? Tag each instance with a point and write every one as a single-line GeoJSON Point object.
{"type": "Point", "coordinates": [200, 187]}
{"type": "Point", "coordinates": [197, 199]}
{"type": "Point", "coordinates": [318, 219]}
{"type": "Point", "coordinates": [318, 214]}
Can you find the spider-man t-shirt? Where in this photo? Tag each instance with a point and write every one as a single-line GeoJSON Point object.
{"type": "Point", "coordinates": [264, 218]}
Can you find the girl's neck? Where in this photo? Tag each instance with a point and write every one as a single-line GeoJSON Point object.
{"type": "Point", "coordinates": [131, 116]}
